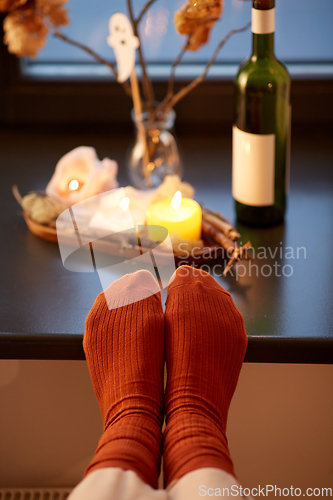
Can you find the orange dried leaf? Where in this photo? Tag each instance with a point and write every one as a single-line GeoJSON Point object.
{"type": "Point", "coordinates": [196, 20]}
{"type": "Point", "coordinates": [54, 10]}
{"type": "Point", "coordinates": [59, 16]}
{"type": "Point", "coordinates": [25, 33]}
{"type": "Point", "coordinates": [9, 5]}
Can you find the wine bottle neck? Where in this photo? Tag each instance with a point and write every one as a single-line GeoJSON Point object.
{"type": "Point", "coordinates": [263, 27]}
{"type": "Point", "coordinates": [263, 45]}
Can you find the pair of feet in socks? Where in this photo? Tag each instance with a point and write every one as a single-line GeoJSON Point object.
{"type": "Point", "coordinates": [201, 337]}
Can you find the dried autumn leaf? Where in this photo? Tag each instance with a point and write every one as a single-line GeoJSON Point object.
{"type": "Point", "coordinates": [54, 10]}
{"type": "Point", "coordinates": [59, 16]}
{"type": "Point", "coordinates": [25, 33]}
{"type": "Point", "coordinates": [9, 5]}
{"type": "Point", "coordinates": [196, 20]}
{"type": "Point", "coordinates": [28, 21]}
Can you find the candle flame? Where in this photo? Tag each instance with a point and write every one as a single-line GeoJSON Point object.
{"type": "Point", "coordinates": [176, 200]}
{"type": "Point", "coordinates": [73, 185]}
{"type": "Point", "coordinates": [124, 203]}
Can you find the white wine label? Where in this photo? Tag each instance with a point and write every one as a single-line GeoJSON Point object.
{"type": "Point", "coordinates": [263, 21]}
{"type": "Point", "coordinates": [253, 168]}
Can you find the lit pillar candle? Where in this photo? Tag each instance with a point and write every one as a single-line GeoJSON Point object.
{"type": "Point", "coordinates": [181, 216]}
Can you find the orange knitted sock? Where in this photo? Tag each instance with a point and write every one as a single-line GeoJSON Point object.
{"type": "Point", "coordinates": [124, 349]}
{"type": "Point", "coordinates": [205, 349]}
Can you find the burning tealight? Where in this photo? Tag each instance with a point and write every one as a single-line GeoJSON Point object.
{"type": "Point", "coordinates": [124, 204]}
{"type": "Point", "coordinates": [80, 175]}
{"type": "Point", "coordinates": [73, 185]}
{"type": "Point", "coordinates": [115, 215]}
{"type": "Point", "coordinates": [179, 215]}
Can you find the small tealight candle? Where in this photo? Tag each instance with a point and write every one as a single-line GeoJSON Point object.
{"type": "Point", "coordinates": [115, 216]}
{"type": "Point", "coordinates": [74, 185]}
{"type": "Point", "coordinates": [80, 175]}
{"type": "Point", "coordinates": [179, 215]}
{"type": "Point", "coordinates": [124, 204]}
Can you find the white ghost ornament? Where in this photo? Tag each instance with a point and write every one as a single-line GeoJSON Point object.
{"type": "Point", "coordinates": [124, 44]}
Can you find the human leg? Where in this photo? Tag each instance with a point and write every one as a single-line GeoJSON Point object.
{"type": "Point", "coordinates": [124, 347]}
{"type": "Point", "coordinates": [206, 481]}
{"type": "Point", "coordinates": [113, 483]}
{"type": "Point", "coordinates": [205, 348]}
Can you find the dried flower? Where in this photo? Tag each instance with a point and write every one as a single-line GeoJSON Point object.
{"type": "Point", "coordinates": [25, 33]}
{"type": "Point", "coordinates": [28, 22]}
{"type": "Point", "coordinates": [196, 20]}
{"type": "Point", "coordinates": [40, 208]}
{"type": "Point", "coordinates": [54, 10]}
{"type": "Point", "coordinates": [8, 5]}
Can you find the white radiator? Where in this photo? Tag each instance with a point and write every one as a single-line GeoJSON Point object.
{"type": "Point", "coordinates": [34, 493]}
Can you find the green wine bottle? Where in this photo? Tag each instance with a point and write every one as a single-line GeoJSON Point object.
{"type": "Point", "coordinates": [261, 131]}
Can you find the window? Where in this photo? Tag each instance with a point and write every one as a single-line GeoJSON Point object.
{"type": "Point", "coordinates": [304, 33]}
{"type": "Point", "coordinates": [65, 85]}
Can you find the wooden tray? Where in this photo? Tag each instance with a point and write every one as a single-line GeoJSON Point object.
{"type": "Point", "coordinates": [210, 251]}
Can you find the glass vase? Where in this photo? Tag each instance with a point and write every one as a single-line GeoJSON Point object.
{"type": "Point", "coordinates": [154, 154]}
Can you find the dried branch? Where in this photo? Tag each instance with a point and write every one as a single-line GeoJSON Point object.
{"type": "Point", "coordinates": [144, 10]}
{"type": "Point", "coordinates": [169, 93]}
{"type": "Point", "coordinates": [217, 214]}
{"type": "Point", "coordinates": [238, 255]}
{"type": "Point", "coordinates": [16, 194]}
{"type": "Point", "coordinates": [234, 252]}
{"type": "Point", "coordinates": [147, 85]}
{"type": "Point", "coordinates": [229, 265]}
{"type": "Point", "coordinates": [185, 90]}
{"type": "Point", "coordinates": [221, 224]}
{"type": "Point", "coordinates": [174, 65]}
{"type": "Point", "coordinates": [131, 13]}
{"type": "Point", "coordinates": [219, 237]}
{"type": "Point", "coordinates": [96, 56]}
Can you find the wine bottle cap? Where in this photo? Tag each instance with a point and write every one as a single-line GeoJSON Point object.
{"type": "Point", "coordinates": [263, 4]}
{"type": "Point", "coordinates": [263, 21]}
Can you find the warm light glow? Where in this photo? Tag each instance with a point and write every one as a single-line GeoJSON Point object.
{"type": "Point", "coordinates": [176, 200]}
{"type": "Point", "coordinates": [124, 203]}
{"type": "Point", "coordinates": [73, 185]}
{"type": "Point", "coordinates": [183, 216]}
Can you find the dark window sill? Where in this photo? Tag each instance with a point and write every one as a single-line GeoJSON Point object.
{"type": "Point", "coordinates": [53, 94]}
